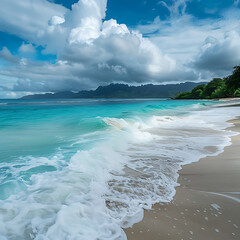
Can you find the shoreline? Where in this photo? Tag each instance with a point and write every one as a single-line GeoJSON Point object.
{"type": "Point", "coordinates": [206, 204]}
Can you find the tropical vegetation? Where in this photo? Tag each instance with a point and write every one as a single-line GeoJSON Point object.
{"type": "Point", "coordinates": [217, 88]}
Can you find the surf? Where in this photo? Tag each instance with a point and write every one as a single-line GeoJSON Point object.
{"type": "Point", "coordinates": [97, 181]}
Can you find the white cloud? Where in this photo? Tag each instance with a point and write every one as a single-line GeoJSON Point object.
{"type": "Point", "coordinates": [27, 48]}
{"type": "Point", "coordinates": [56, 20]}
{"type": "Point", "coordinates": [11, 94]}
{"type": "Point", "coordinates": [219, 55]}
{"type": "Point", "coordinates": [183, 39]}
{"type": "Point", "coordinates": [29, 19]}
{"type": "Point", "coordinates": [92, 51]}
{"type": "Point", "coordinates": [7, 56]}
{"type": "Point", "coordinates": [177, 8]}
{"type": "Point", "coordinates": [85, 20]}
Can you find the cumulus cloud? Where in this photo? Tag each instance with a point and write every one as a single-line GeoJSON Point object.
{"type": "Point", "coordinates": [115, 45]}
{"type": "Point", "coordinates": [219, 55]}
{"type": "Point", "coordinates": [27, 48]}
{"type": "Point", "coordinates": [7, 56]}
{"type": "Point", "coordinates": [29, 19]}
{"type": "Point", "coordinates": [208, 47]}
{"type": "Point", "coordinates": [85, 20]}
{"type": "Point", "coordinates": [56, 20]}
{"type": "Point", "coordinates": [91, 51]}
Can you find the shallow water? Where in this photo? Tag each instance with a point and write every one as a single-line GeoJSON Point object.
{"type": "Point", "coordinates": [85, 169]}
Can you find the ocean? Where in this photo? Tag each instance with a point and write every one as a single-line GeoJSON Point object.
{"type": "Point", "coordinates": [85, 169]}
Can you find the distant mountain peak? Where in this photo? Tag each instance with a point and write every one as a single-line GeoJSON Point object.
{"type": "Point", "coordinates": [120, 90]}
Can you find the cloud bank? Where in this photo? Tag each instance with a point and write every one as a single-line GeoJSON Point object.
{"type": "Point", "coordinates": [91, 51]}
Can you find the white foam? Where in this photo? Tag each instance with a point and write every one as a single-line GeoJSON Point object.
{"type": "Point", "coordinates": [104, 189]}
{"type": "Point", "coordinates": [215, 206]}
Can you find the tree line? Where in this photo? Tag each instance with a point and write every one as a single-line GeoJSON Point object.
{"type": "Point", "coordinates": [226, 87]}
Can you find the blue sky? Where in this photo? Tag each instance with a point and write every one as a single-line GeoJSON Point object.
{"type": "Point", "coordinates": [60, 45]}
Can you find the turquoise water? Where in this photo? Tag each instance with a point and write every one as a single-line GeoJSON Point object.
{"type": "Point", "coordinates": [62, 158]}
{"type": "Point", "coordinates": [40, 128]}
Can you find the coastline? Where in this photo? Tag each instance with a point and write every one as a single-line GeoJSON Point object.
{"type": "Point", "coordinates": [206, 204]}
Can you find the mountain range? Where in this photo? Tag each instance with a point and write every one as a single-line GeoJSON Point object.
{"type": "Point", "coordinates": [122, 91]}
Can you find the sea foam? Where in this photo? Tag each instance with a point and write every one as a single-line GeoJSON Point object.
{"type": "Point", "coordinates": [102, 190]}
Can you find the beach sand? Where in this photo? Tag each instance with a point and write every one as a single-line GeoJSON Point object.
{"type": "Point", "coordinates": [206, 205]}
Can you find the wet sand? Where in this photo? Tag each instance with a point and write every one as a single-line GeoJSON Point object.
{"type": "Point", "coordinates": [206, 205]}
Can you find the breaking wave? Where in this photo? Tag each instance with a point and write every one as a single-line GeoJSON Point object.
{"type": "Point", "coordinates": [104, 189]}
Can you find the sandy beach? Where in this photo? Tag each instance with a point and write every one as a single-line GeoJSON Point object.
{"type": "Point", "coordinates": [206, 205]}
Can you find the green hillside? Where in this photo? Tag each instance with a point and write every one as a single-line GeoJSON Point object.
{"type": "Point", "coordinates": [217, 88]}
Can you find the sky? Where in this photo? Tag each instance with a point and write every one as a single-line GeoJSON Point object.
{"type": "Point", "coordinates": [62, 45]}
